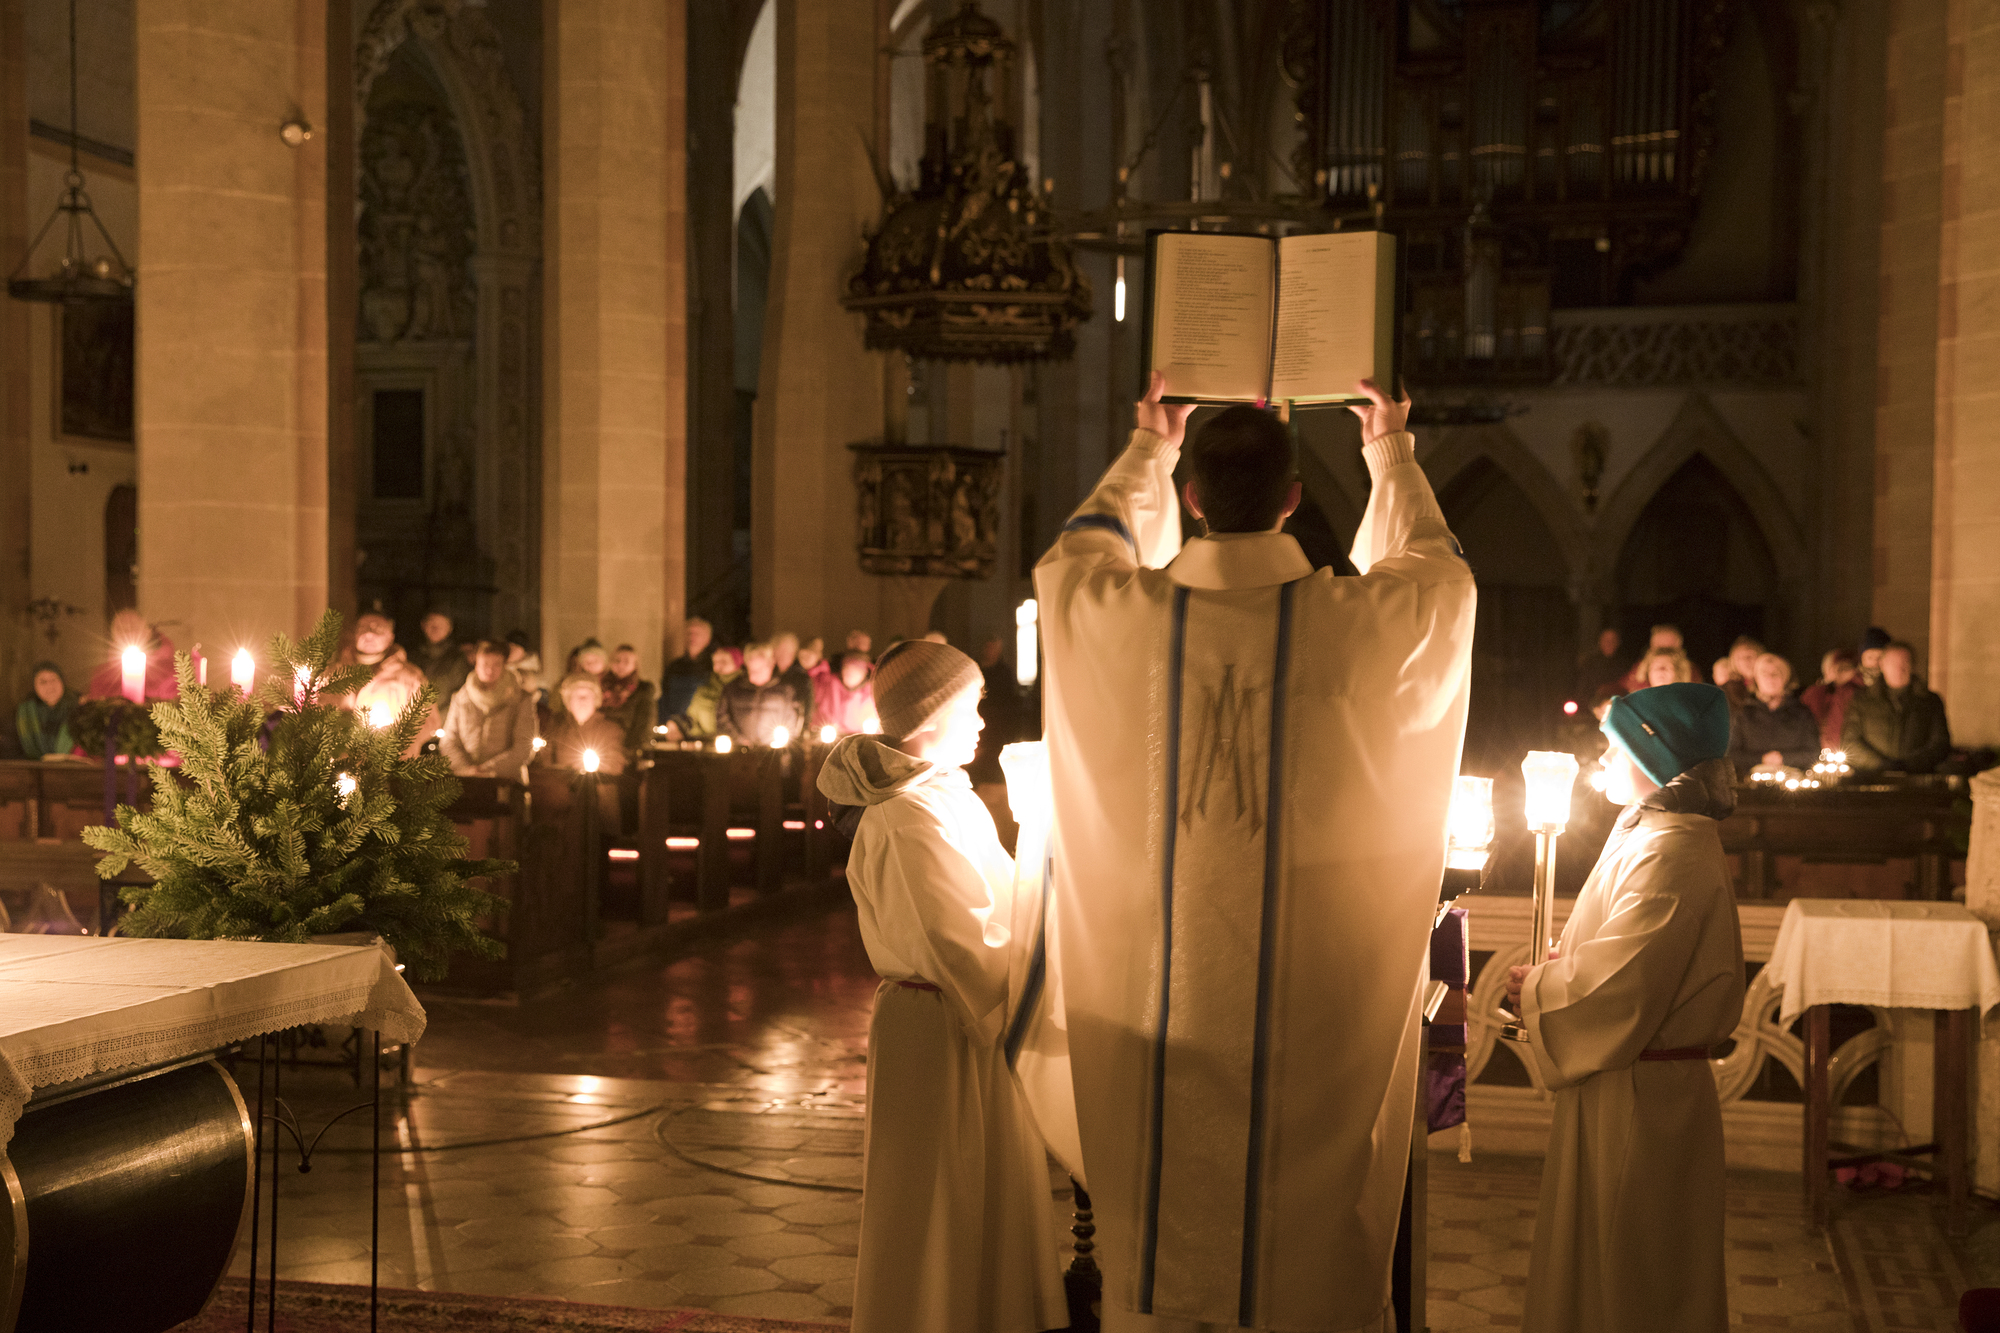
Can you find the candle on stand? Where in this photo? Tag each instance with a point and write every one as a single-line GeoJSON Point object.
{"type": "Point", "coordinates": [1550, 777]}
{"type": "Point", "coordinates": [133, 665]}
{"type": "Point", "coordinates": [242, 671]}
{"type": "Point", "coordinates": [200, 666]}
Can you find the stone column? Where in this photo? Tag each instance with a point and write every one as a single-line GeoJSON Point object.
{"type": "Point", "coordinates": [16, 455]}
{"type": "Point", "coordinates": [231, 391]}
{"type": "Point", "coordinates": [1906, 358]}
{"type": "Point", "coordinates": [615, 324]}
{"type": "Point", "coordinates": [819, 389]}
{"type": "Point", "coordinates": [1965, 516]}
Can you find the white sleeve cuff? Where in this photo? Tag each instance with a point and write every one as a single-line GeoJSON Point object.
{"type": "Point", "coordinates": [1387, 451]}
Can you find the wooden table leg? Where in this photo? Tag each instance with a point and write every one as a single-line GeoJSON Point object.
{"type": "Point", "coordinates": [1818, 1111]}
{"type": "Point", "coordinates": [1950, 1126]}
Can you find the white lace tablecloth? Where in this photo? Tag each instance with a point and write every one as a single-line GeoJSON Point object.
{"type": "Point", "coordinates": [1899, 955]}
{"type": "Point", "coordinates": [73, 1006]}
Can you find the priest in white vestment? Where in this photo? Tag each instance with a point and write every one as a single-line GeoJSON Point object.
{"type": "Point", "coordinates": [1647, 979]}
{"type": "Point", "coordinates": [1251, 765]}
{"type": "Point", "coordinates": [958, 1234]}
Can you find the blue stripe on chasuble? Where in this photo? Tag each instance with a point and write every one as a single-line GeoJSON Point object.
{"type": "Point", "coordinates": [1267, 946]}
{"type": "Point", "coordinates": [1106, 522]}
{"type": "Point", "coordinates": [1149, 1239]}
{"type": "Point", "coordinates": [1038, 963]}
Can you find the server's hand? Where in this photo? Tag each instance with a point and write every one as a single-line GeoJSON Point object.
{"type": "Point", "coordinates": [1166, 420]}
{"type": "Point", "coordinates": [1382, 416]}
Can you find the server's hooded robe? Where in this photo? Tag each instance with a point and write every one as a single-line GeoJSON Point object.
{"type": "Point", "coordinates": [1252, 764]}
{"type": "Point", "coordinates": [1628, 1235]}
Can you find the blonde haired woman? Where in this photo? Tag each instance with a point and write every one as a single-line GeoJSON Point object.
{"type": "Point", "coordinates": [1665, 666]}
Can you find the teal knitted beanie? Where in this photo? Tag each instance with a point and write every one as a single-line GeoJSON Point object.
{"type": "Point", "coordinates": [1668, 729]}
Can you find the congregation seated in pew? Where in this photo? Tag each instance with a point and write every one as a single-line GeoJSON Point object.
{"type": "Point", "coordinates": [752, 706]}
{"type": "Point", "coordinates": [489, 731]}
{"type": "Point", "coordinates": [1897, 724]}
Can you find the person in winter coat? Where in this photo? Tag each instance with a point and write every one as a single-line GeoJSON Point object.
{"type": "Point", "coordinates": [755, 704]}
{"type": "Point", "coordinates": [1838, 682]}
{"type": "Point", "coordinates": [489, 731]}
{"type": "Point", "coordinates": [444, 661]}
{"type": "Point", "coordinates": [580, 727]}
{"type": "Point", "coordinates": [1772, 726]}
{"type": "Point", "coordinates": [680, 678]}
{"type": "Point", "coordinates": [41, 722]}
{"type": "Point", "coordinates": [1896, 723]}
{"type": "Point", "coordinates": [845, 695]}
{"type": "Point", "coordinates": [628, 700]}
{"type": "Point", "coordinates": [957, 1235]}
{"type": "Point", "coordinates": [700, 721]}
{"type": "Point", "coordinates": [795, 674]}
{"type": "Point", "coordinates": [1621, 1020]}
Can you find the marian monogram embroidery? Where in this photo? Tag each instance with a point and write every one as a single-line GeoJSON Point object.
{"type": "Point", "coordinates": [1227, 756]}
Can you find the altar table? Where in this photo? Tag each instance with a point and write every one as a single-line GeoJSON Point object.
{"type": "Point", "coordinates": [101, 1064]}
{"type": "Point", "coordinates": [1894, 955]}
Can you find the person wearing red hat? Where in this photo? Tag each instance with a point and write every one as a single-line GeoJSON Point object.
{"type": "Point", "coordinates": [956, 1231]}
{"type": "Point", "coordinates": [1622, 1020]}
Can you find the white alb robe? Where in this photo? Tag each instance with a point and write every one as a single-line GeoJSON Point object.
{"type": "Point", "coordinates": [957, 1231]}
{"type": "Point", "coordinates": [1628, 1235]}
{"type": "Point", "coordinates": [1251, 766]}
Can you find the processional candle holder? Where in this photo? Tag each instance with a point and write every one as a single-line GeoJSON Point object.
{"type": "Point", "coordinates": [1468, 840]}
{"type": "Point", "coordinates": [1551, 776]}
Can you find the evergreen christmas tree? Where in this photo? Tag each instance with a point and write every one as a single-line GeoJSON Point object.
{"type": "Point", "coordinates": [312, 825]}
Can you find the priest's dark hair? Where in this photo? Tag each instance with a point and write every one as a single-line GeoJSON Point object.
{"type": "Point", "coordinates": [1243, 467]}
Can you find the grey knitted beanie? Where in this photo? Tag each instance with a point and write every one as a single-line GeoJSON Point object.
{"type": "Point", "coordinates": [914, 680]}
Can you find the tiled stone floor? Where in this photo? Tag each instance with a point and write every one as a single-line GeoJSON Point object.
{"type": "Point", "coordinates": [690, 1136]}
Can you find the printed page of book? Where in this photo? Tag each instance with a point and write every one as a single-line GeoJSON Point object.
{"type": "Point", "coordinates": [1336, 316]}
{"type": "Point", "coordinates": [1210, 304]}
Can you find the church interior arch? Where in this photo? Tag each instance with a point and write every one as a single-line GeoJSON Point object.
{"type": "Point", "coordinates": [1697, 557]}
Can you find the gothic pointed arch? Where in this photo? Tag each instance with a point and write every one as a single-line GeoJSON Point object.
{"type": "Point", "coordinates": [1455, 448]}
{"type": "Point", "coordinates": [459, 48]}
{"type": "Point", "coordinates": [1699, 429]}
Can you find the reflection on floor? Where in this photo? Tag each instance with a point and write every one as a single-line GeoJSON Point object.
{"type": "Point", "coordinates": [690, 1136]}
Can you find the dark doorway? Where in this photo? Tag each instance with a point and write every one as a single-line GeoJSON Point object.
{"type": "Point", "coordinates": [1697, 558]}
{"type": "Point", "coordinates": [121, 550]}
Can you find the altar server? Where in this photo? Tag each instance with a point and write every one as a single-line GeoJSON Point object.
{"type": "Point", "coordinates": [957, 1231]}
{"type": "Point", "coordinates": [1251, 765]}
{"type": "Point", "coordinates": [1647, 979]}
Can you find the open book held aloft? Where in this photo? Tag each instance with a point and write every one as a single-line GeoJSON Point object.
{"type": "Point", "coordinates": [1234, 318]}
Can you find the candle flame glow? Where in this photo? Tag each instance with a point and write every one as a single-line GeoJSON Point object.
{"type": "Point", "coordinates": [1550, 774]}
{"type": "Point", "coordinates": [827, 734]}
{"type": "Point", "coordinates": [380, 716]}
{"type": "Point", "coordinates": [723, 745]}
{"type": "Point", "coordinates": [590, 761]}
{"type": "Point", "coordinates": [538, 743]}
{"type": "Point", "coordinates": [780, 738]}
{"type": "Point", "coordinates": [1469, 825]}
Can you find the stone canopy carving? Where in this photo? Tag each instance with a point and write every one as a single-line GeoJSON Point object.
{"type": "Point", "coordinates": [417, 229]}
{"type": "Point", "coordinates": [927, 510]}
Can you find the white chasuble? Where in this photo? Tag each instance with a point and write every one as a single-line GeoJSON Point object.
{"type": "Point", "coordinates": [1251, 764]}
{"type": "Point", "coordinates": [1628, 1234]}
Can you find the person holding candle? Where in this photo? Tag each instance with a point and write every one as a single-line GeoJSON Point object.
{"type": "Point", "coordinates": [1252, 763]}
{"type": "Point", "coordinates": [957, 1235]}
{"type": "Point", "coordinates": [580, 726]}
{"type": "Point", "coordinates": [1621, 1020]}
{"type": "Point", "coordinates": [395, 682]}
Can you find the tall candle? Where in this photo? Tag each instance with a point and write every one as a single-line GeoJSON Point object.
{"type": "Point", "coordinates": [133, 661]}
{"type": "Point", "coordinates": [242, 670]}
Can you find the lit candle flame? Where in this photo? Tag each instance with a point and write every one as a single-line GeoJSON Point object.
{"type": "Point", "coordinates": [780, 738]}
{"type": "Point", "coordinates": [590, 761]}
{"type": "Point", "coordinates": [243, 670]}
{"type": "Point", "coordinates": [132, 661]}
{"type": "Point", "coordinates": [723, 745]}
{"type": "Point", "coordinates": [872, 727]}
{"type": "Point", "coordinates": [380, 716]}
{"type": "Point", "coordinates": [346, 785]}
{"type": "Point", "coordinates": [827, 734]}
{"type": "Point", "coordinates": [1026, 645]}
{"type": "Point", "coordinates": [538, 743]}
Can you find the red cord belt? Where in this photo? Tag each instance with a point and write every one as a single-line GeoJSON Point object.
{"type": "Point", "coordinates": [1677, 1053]}
{"type": "Point", "coordinates": [921, 985]}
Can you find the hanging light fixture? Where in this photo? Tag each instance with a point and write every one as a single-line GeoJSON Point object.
{"type": "Point", "coordinates": [79, 278]}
